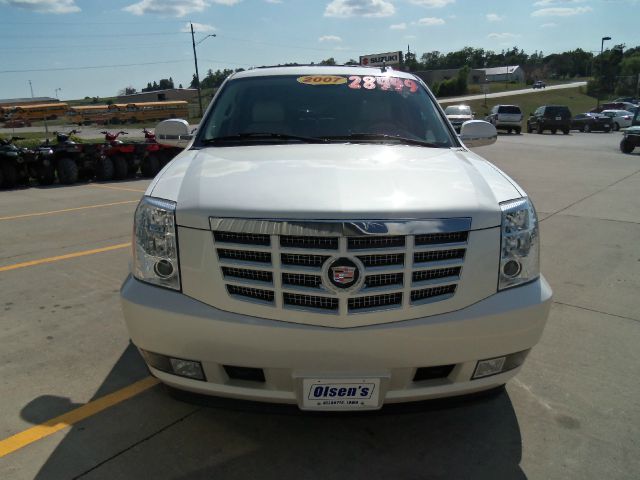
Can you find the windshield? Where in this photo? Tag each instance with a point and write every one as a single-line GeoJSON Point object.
{"type": "Point", "coordinates": [292, 108]}
{"type": "Point", "coordinates": [458, 110]}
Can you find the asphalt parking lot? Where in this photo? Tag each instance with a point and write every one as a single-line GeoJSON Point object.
{"type": "Point", "coordinates": [77, 401]}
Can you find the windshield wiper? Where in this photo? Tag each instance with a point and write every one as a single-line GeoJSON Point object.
{"type": "Point", "coordinates": [383, 136]}
{"type": "Point", "coordinates": [240, 137]}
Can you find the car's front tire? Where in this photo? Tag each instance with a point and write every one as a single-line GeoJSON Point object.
{"type": "Point", "coordinates": [587, 128]}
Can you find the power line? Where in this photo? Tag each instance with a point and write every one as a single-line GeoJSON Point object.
{"type": "Point", "coordinates": [106, 35]}
{"type": "Point", "coordinates": [91, 67]}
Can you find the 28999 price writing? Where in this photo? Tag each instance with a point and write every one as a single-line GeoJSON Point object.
{"type": "Point", "coordinates": [383, 83]}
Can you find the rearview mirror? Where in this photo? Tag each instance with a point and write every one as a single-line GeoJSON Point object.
{"type": "Point", "coordinates": [174, 132]}
{"type": "Point", "coordinates": [478, 133]}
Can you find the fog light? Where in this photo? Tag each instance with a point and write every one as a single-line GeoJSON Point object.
{"type": "Point", "coordinates": [187, 368]}
{"type": "Point", "coordinates": [511, 268]}
{"type": "Point", "coordinates": [493, 366]}
{"type": "Point", "coordinates": [176, 366]}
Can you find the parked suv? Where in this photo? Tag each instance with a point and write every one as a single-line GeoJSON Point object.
{"type": "Point", "coordinates": [550, 117]}
{"type": "Point", "coordinates": [506, 117]}
{"type": "Point", "coordinates": [326, 239]}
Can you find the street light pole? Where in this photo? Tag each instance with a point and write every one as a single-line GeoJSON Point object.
{"type": "Point", "coordinates": [195, 59]}
{"type": "Point", "coordinates": [601, 52]}
{"type": "Point", "coordinates": [58, 90]}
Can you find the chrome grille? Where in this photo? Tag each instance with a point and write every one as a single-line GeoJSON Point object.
{"type": "Point", "coordinates": [286, 264]}
{"type": "Point", "coordinates": [301, 280]}
{"type": "Point", "coordinates": [364, 243]}
{"type": "Point", "coordinates": [384, 260]}
{"type": "Point", "coordinates": [383, 280]}
{"type": "Point", "coordinates": [317, 243]}
{"type": "Point", "coordinates": [434, 256]}
{"type": "Point", "coordinates": [303, 260]}
{"type": "Point", "coordinates": [244, 255]}
{"type": "Point", "coordinates": [242, 238]}
{"type": "Point", "coordinates": [254, 293]}
{"type": "Point", "coordinates": [245, 274]}
{"type": "Point", "coordinates": [427, 293]}
{"type": "Point", "coordinates": [310, 301]}
{"type": "Point", "coordinates": [375, 301]}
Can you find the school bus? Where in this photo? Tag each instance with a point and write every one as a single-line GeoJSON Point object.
{"type": "Point", "coordinates": [43, 111]}
{"type": "Point", "coordinates": [148, 111]}
{"type": "Point", "coordinates": [88, 114]}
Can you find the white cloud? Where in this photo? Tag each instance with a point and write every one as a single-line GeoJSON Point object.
{"type": "Point", "coordinates": [433, 3]}
{"type": "Point", "coordinates": [548, 3]}
{"type": "Point", "coordinates": [273, 1]}
{"type": "Point", "coordinates": [410, 37]}
{"type": "Point", "coordinates": [430, 21]}
{"type": "Point", "coordinates": [44, 6]}
{"type": "Point", "coordinates": [494, 17]}
{"type": "Point", "coordinates": [359, 8]}
{"type": "Point", "coordinates": [503, 36]}
{"type": "Point", "coordinates": [178, 8]}
{"type": "Point", "coordinates": [198, 27]}
{"type": "Point", "coordinates": [329, 38]}
{"type": "Point", "coordinates": [548, 25]}
{"type": "Point", "coordinates": [398, 26]}
{"type": "Point", "coordinates": [561, 11]}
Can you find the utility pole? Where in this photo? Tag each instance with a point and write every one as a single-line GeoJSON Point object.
{"type": "Point", "coordinates": [195, 59]}
{"type": "Point", "coordinates": [601, 52]}
{"type": "Point", "coordinates": [31, 87]}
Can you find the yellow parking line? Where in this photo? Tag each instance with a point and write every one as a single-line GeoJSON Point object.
{"type": "Point", "coordinates": [116, 188]}
{"type": "Point", "coordinates": [33, 434]}
{"type": "Point", "coordinates": [38, 214]}
{"type": "Point", "coordinates": [82, 253]}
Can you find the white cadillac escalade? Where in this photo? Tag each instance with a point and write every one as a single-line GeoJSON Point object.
{"type": "Point", "coordinates": [327, 240]}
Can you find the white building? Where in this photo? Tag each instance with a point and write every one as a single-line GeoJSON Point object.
{"type": "Point", "coordinates": [511, 73]}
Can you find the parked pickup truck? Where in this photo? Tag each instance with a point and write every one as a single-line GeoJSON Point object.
{"type": "Point", "coordinates": [327, 240]}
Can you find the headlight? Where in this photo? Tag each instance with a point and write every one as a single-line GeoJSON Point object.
{"type": "Point", "coordinates": [155, 245]}
{"type": "Point", "coordinates": [520, 249]}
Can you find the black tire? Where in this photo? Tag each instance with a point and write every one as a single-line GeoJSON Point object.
{"type": "Point", "coordinates": [626, 146]}
{"type": "Point", "coordinates": [587, 128]}
{"type": "Point", "coordinates": [104, 169]}
{"type": "Point", "coordinates": [616, 126]}
{"type": "Point", "coordinates": [554, 131]}
{"type": "Point", "coordinates": [120, 167]}
{"type": "Point", "coordinates": [67, 171]}
{"type": "Point", "coordinates": [540, 130]}
{"type": "Point", "coordinates": [509, 131]}
{"type": "Point", "coordinates": [150, 166]}
{"type": "Point", "coordinates": [10, 175]}
{"type": "Point", "coordinates": [1, 179]}
{"type": "Point", "coordinates": [565, 131]}
{"type": "Point", "coordinates": [529, 129]}
{"type": "Point", "coordinates": [518, 130]}
{"type": "Point", "coordinates": [607, 129]}
{"type": "Point", "coordinates": [46, 175]}
{"type": "Point", "coordinates": [132, 168]}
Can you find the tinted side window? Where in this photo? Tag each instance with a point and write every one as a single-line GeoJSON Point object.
{"type": "Point", "coordinates": [509, 109]}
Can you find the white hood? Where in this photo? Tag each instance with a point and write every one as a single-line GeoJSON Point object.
{"type": "Point", "coordinates": [336, 181]}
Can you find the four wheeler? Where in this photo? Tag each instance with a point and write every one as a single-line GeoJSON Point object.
{"type": "Point", "coordinates": [156, 155]}
{"type": "Point", "coordinates": [122, 155]}
{"type": "Point", "coordinates": [74, 161]}
{"type": "Point", "coordinates": [18, 164]}
{"type": "Point", "coordinates": [631, 138]}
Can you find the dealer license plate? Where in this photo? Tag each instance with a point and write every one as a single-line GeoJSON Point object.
{"type": "Point", "coordinates": [558, 118]}
{"type": "Point", "coordinates": [340, 394]}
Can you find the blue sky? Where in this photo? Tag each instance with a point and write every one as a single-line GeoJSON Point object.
{"type": "Point", "coordinates": [61, 38]}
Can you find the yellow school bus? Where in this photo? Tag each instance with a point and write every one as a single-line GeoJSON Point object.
{"type": "Point", "coordinates": [155, 111]}
{"type": "Point", "coordinates": [43, 111]}
{"type": "Point", "coordinates": [88, 114]}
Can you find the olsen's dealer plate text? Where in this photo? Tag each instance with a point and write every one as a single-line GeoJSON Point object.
{"type": "Point", "coordinates": [340, 393]}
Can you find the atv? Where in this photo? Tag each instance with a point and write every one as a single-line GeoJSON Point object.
{"type": "Point", "coordinates": [122, 155]}
{"type": "Point", "coordinates": [631, 138]}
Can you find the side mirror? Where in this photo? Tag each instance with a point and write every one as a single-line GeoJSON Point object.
{"type": "Point", "coordinates": [478, 133]}
{"type": "Point", "coordinates": [174, 132]}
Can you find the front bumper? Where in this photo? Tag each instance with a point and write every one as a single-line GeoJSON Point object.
{"type": "Point", "coordinates": [170, 323]}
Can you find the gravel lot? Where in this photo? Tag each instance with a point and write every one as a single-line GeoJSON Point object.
{"type": "Point", "coordinates": [573, 411]}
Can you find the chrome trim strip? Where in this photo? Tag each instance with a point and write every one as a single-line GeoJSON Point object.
{"type": "Point", "coordinates": [343, 228]}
